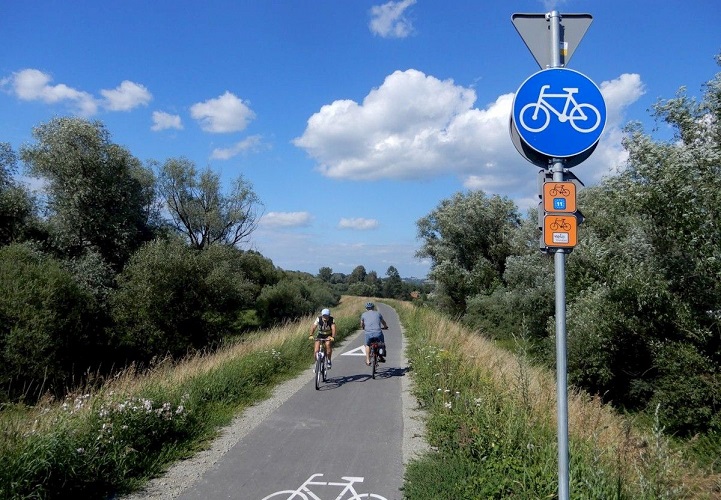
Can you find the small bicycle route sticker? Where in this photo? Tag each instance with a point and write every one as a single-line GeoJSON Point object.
{"type": "Point", "coordinates": [304, 491]}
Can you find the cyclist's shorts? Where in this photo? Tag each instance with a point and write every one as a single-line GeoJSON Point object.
{"type": "Point", "coordinates": [322, 336]}
{"type": "Point", "coordinates": [370, 337]}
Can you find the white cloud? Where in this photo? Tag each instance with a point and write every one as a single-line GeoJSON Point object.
{"type": "Point", "coordinates": [285, 219]}
{"type": "Point", "coordinates": [164, 121]}
{"type": "Point", "coordinates": [358, 223]}
{"type": "Point", "coordinates": [34, 85]}
{"type": "Point", "coordinates": [246, 144]}
{"type": "Point", "coordinates": [415, 126]}
{"type": "Point", "coordinates": [126, 96]}
{"type": "Point", "coordinates": [226, 113]}
{"type": "Point", "coordinates": [388, 21]}
{"type": "Point", "coordinates": [618, 94]}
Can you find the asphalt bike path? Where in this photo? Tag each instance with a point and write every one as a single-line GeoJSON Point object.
{"type": "Point", "coordinates": [342, 442]}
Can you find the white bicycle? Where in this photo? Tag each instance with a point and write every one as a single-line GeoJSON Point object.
{"type": "Point", "coordinates": [304, 492]}
{"type": "Point", "coordinates": [584, 113]}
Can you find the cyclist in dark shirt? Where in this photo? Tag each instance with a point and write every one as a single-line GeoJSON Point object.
{"type": "Point", "coordinates": [325, 326]}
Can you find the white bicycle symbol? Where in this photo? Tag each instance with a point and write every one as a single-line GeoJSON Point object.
{"type": "Point", "coordinates": [575, 114]}
{"type": "Point", "coordinates": [304, 493]}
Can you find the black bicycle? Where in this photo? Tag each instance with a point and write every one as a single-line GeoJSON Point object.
{"type": "Point", "coordinates": [320, 372]}
{"type": "Point", "coordinates": [377, 350]}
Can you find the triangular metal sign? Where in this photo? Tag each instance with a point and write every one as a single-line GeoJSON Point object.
{"type": "Point", "coordinates": [535, 30]}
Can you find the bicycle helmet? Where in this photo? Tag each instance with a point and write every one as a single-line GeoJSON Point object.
{"type": "Point", "coordinates": [325, 312]}
{"type": "Point", "coordinates": [369, 305]}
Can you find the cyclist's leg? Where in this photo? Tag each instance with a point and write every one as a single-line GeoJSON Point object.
{"type": "Point", "coordinates": [368, 348]}
{"type": "Point", "coordinates": [328, 349]}
{"type": "Point", "coordinates": [328, 352]}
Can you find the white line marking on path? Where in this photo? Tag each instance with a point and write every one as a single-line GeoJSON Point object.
{"type": "Point", "coordinates": [358, 351]}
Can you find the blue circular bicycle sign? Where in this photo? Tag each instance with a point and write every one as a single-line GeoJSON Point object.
{"type": "Point", "coordinates": [559, 112]}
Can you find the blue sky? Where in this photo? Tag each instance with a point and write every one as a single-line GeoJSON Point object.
{"type": "Point", "coordinates": [352, 119]}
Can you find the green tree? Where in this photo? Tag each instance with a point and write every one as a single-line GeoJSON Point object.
{"type": "Point", "coordinates": [375, 285]}
{"type": "Point", "coordinates": [393, 284]}
{"type": "Point", "coordinates": [325, 274]}
{"type": "Point", "coordinates": [98, 195]}
{"type": "Point", "coordinates": [468, 239]}
{"type": "Point", "coordinates": [358, 275]}
{"type": "Point", "coordinates": [201, 211]}
{"type": "Point", "coordinates": [17, 209]}
{"type": "Point", "coordinates": [645, 280]}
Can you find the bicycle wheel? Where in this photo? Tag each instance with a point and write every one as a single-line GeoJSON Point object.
{"type": "Point", "coordinates": [318, 375]}
{"type": "Point", "coordinates": [371, 495]}
{"type": "Point", "coordinates": [324, 364]}
{"type": "Point", "coordinates": [534, 123]}
{"type": "Point", "coordinates": [285, 493]}
{"type": "Point", "coordinates": [592, 118]}
{"type": "Point", "coordinates": [374, 361]}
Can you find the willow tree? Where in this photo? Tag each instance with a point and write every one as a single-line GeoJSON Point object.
{"type": "Point", "coordinates": [99, 197]}
{"type": "Point", "coordinates": [468, 239]}
{"type": "Point", "coordinates": [645, 282]}
{"type": "Point", "coordinates": [17, 209]}
{"type": "Point", "coordinates": [201, 211]}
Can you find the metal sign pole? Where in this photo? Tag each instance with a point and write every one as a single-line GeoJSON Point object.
{"type": "Point", "coordinates": [556, 145]}
{"type": "Point", "coordinates": [560, 268]}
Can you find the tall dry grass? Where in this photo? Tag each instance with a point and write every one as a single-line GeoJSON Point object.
{"type": "Point", "coordinates": [640, 456]}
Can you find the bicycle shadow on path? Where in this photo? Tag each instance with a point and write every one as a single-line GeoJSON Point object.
{"type": "Point", "coordinates": [337, 382]}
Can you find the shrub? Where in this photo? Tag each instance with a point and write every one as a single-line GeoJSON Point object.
{"type": "Point", "coordinates": [47, 323]}
{"type": "Point", "coordinates": [687, 394]}
{"type": "Point", "coordinates": [161, 305]}
{"type": "Point", "coordinates": [286, 300]}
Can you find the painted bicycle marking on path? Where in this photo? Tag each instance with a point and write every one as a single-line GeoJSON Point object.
{"type": "Point", "coordinates": [303, 492]}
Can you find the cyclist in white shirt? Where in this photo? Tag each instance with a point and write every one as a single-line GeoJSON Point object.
{"type": "Point", "coordinates": [325, 326]}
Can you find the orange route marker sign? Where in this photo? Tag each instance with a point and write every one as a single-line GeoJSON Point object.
{"type": "Point", "coordinates": [559, 197]}
{"type": "Point", "coordinates": [560, 230]}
